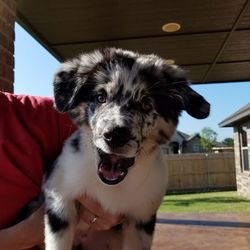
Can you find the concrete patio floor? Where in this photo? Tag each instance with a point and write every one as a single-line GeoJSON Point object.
{"type": "Point", "coordinates": [204, 231]}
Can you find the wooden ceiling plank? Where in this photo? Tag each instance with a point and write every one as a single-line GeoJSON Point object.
{"type": "Point", "coordinates": [230, 72]}
{"type": "Point", "coordinates": [227, 39]}
{"type": "Point", "coordinates": [180, 49]}
{"type": "Point", "coordinates": [33, 32]}
{"type": "Point", "coordinates": [238, 48]}
{"type": "Point", "coordinates": [65, 28]}
{"type": "Point", "coordinates": [100, 20]}
{"type": "Point", "coordinates": [184, 34]}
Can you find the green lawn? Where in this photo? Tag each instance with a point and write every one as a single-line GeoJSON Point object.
{"type": "Point", "coordinates": [205, 202]}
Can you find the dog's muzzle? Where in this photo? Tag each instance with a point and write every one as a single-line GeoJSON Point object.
{"type": "Point", "coordinates": [112, 168]}
{"type": "Point", "coordinates": [117, 137]}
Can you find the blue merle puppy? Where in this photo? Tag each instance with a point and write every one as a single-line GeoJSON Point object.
{"type": "Point", "coordinates": [125, 106]}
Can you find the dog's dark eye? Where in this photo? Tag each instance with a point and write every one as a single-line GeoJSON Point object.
{"type": "Point", "coordinates": [101, 98]}
{"type": "Point", "coordinates": [146, 104]}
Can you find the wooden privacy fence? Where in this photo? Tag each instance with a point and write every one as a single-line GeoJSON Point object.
{"type": "Point", "coordinates": [199, 172]}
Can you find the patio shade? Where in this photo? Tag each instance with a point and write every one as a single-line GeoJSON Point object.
{"type": "Point", "coordinates": [212, 45]}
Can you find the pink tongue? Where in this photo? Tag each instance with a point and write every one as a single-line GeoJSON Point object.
{"type": "Point", "coordinates": [111, 172]}
{"type": "Point", "coordinates": [111, 175]}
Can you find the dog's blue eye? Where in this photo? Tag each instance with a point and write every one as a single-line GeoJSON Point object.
{"type": "Point", "coordinates": [101, 98]}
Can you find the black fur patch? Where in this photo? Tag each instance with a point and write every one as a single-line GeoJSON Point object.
{"type": "Point", "coordinates": [167, 107]}
{"type": "Point", "coordinates": [78, 247]}
{"type": "Point", "coordinates": [124, 60]}
{"type": "Point", "coordinates": [118, 96]}
{"type": "Point", "coordinates": [56, 222]}
{"type": "Point", "coordinates": [130, 107]}
{"type": "Point", "coordinates": [75, 143]}
{"type": "Point", "coordinates": [117, 227]}
{"type": "Point", "coordinates": [148, 226]}
{"type": "Point", "coordinates": [49, 170]}
{"type": "Point", "coordinates": [150, 75]}
{"type": "Point", "coordinates": [64, 94]}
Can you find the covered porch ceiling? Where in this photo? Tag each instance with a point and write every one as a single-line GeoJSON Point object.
{"type": "Point", "coordinates": [212, 45]}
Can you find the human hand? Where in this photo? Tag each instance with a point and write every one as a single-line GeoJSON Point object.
{"type": "Point", "coordinates": [95, 216]}
{"type": "Point", "coordinates": [99, 221]}
{"type": "Point", "coordinates": [30, 232]}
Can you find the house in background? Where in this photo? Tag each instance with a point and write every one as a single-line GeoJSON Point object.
{"type": "Point", "coordinates": [240, 120]}
{"type": "Point", "coordinates": [221, 148]}
{"type": "Point", "coordinates": [183, 143]}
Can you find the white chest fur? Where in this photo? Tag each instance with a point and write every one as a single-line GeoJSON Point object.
{"type": "Point", "coordinates": [138, 195]}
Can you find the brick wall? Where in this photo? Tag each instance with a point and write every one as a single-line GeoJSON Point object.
{"type": "Point", "coordinates": [7, 38]}
{"type": "Point", "coordinates": [242, 177]}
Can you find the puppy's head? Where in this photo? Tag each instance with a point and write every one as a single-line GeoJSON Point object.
{"type": "Point", "coordinates": [131, 102]}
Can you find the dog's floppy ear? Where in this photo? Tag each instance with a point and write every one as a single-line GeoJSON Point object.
{"type": "Point", "coordinates": [188, 99]}
{"type": "Point", "coordinates": [65, 87]}
{"type": "Point", "coordinates": [70, 81]}
{"type": "Point", "coordinates": [193, 103]}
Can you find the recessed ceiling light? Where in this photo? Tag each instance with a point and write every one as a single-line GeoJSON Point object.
{"type": "Point", "coordinates": [171, 27]}
{"type": "Point", "coordinates": [170, 61]}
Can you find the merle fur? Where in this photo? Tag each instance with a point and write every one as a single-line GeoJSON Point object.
{"type": "Point", "coordinates": [141, 91]}
{"type": "Point", "coordinates": [171, 93]}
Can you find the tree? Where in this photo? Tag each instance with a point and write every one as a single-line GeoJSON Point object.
{"type": "Point", "coordinates": [229, 142]}
{"type": "Point", "coordinates": [208, 138]}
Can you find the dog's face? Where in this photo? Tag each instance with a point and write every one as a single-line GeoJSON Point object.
{"type": "Point", "coordinates": [131, 102]}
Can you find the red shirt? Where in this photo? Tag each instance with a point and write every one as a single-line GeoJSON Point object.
{"type": "Point", "coordinates": [32, 133]}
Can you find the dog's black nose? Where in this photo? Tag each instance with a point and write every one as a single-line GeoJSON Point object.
{"type": "Point", "coordinates": [117, 137]}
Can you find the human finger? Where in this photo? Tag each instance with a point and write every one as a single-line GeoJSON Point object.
{"type": "Point", "coordinates": [94, 221]}
{"type": "Point", "coordinates": [96, 216]}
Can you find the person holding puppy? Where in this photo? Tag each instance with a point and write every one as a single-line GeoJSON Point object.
{"type": "Point", "coordinates": [32, 133]}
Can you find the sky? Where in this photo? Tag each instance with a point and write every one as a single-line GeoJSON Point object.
{"type": "Point", "coordinates": [35, 68]}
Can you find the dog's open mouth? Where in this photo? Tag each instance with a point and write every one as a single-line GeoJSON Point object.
{"type": "Point", "coordinates": [112, 168]}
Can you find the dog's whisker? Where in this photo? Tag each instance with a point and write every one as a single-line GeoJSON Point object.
{"type": "Point", "coordinates": [155, 84]}
{"type": "Point", "coordinates": [178, 82]}
{"type": "Point", "coordinates": [163, 89]}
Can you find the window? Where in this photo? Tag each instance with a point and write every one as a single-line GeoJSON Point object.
{"type": "Point", "coordinates": [196, 148]}
{"type": "Point", "coordinates": [244, 148]}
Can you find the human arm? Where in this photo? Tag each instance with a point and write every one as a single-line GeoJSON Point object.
{"type": "Point", "coordinates": [26, 150]}
{"type": "Point", "coordinates": [24, 235]}
{"type": "Point", "coordinates": [29, 232]}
